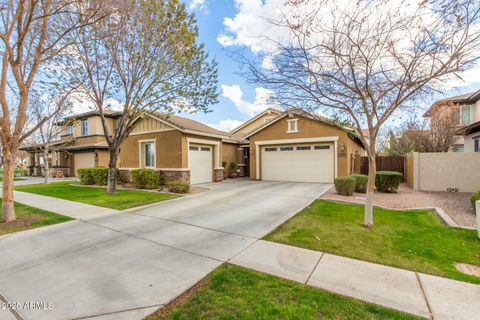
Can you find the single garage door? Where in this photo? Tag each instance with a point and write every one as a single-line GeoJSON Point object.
{"type": "Point", "coordinates": [303, 163]}
{"type": "Point", "coordinates": [84, 160]}
{"type": "Point", "coordinates": [200, 161]}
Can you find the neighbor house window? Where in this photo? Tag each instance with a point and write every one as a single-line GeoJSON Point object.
{"type": "Point", "coordinates": [292, 125]}
{"type": "Point", "coordinates": [476, 145]}
{"type": "Point", "coordinates": [69, 130]}
{"type": "Point", "coordinates": [148, 154]}
{"type": "Point", "coordinates": [465, 114]}
{"type": "Point", "coordinates": [84, 127]}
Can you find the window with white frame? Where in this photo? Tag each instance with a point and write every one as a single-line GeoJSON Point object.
{"type": "Point", "coordinates": [85, 127]}
{"type": "Point", "coordinates": [69, 130]}
{"type": "Point", "coordinates": [292, 125]}
{"type": "Point", "coordinates": [148, 154]}
{"type": "Point", "coordinates": [476, 144]}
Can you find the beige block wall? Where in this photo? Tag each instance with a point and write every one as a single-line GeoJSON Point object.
{"type": "Point", "coordinates": [439, 171]}
{"type": "Point", "coordinates": [307, 128]}
{"type": "Point", "coordinates": [409, 169]}
{"type": "Point", "coordinates": [168, 151]}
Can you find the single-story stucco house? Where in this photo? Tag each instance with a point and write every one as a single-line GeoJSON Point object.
{"type": "Point", "coordinates": [274, 145]}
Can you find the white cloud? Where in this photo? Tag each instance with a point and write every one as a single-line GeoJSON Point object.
{"type": "Point", "coordinates": [251, 27]}
{"type": "Point", "coordinates": [261, 102]}
{"type": "Point", "coordinates": [226, 125]}
{"type": "Point", "coordinates": [198, 4]}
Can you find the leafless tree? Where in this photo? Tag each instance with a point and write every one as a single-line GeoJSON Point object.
{"type": "Point", "coordinates": [145, 56]}
{"type": "Point", "coordinates": [436, 135]}
{"type": "Point", "coordinates": [32, 33]}
{"type": "Point", "coordinates": [48, 111]}
{"type": "Point", "coordinates": [363, 60]}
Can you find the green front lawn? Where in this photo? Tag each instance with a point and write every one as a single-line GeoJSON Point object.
{"type": "Point", "coordinates": [124, 199]}
{"type": "Point", "coordinates": [415, 240]}
{"type": "Point", "coordinates": [232, 292]}
{"type": "Point", "coordinates": [30, 218]}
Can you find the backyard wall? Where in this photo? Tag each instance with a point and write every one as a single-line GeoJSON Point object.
{"type": "Point", "coordinates": [442, 171]}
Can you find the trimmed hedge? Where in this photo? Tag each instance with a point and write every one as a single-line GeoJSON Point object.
{"type": "Point", "coordinates": [361, 182]}
{"type": "Point", "coordinates": [345, 185]}
{"type": "Point", "coordinates": [145, 178]}
{"type": "Point", "coordinates": [89, 176]}
{"type": "Point", "coordinates": [475, 197]}
{"type": "Point", "coordinates": [178, 186]}
{"type": "Point", "coordinates": [388, 181]}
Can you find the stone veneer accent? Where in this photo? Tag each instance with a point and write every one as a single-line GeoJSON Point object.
{"type": "Point", "coordinates": [218, 175]}
{"type": "Point", "coordinates": [183, 176]}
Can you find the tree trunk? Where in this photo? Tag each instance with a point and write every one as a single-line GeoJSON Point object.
{"type": "Point", "coordinates": [372, 171]}
{"type": "Point", "coordinates": [8, 209]}
{"type": "Point", "coordinates": [112, 170]}
{"type": "Point", "coordinates": [46, 166]}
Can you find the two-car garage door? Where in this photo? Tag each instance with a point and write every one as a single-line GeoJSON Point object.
{"type": "Point", "coordinates": [303, 163]}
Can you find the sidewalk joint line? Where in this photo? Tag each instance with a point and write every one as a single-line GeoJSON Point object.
{"type": "Point", "coordinates": [12, 311]}
{"type": "Point", "coordinates": [119, 311]}
{"type": "Point", "coordinates": [315, 267]}
{"type": "Point", "coordinates": [424, 295]}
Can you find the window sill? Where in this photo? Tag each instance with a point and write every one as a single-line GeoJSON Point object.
{"type": "Point", "coordinates": [296, 131]}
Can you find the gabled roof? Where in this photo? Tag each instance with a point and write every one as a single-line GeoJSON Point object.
{"type": "Point", "coordinates": [258, 116]}
{"type": "Point", "coordinates": [470, 97]}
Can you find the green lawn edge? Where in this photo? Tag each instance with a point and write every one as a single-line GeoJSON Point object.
{"type": "Point", "coordinates": [26, 213]}
{"type": "Point", "coordinates": [123, 199]}
{"type": "Point", "coordinates": [233, 292]}
{"type": "Point", "coordinates": [416, 240]}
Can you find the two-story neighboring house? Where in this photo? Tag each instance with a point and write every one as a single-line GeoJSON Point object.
{"type": "Point", "coordinates": [466, 108]}
{"type": "Point", "coordinates": [81, 145]}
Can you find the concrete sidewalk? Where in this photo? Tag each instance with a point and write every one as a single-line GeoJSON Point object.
{"type": "Point", "coordinates": [420, 294]}
{"type": "Point", "coordinates": [73, 209]}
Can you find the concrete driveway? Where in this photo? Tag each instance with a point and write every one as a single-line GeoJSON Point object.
{"type": "Point", "coordinates": [125, 266]}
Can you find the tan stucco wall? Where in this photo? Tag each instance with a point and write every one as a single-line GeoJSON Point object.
{"type": "Point", "coordinates": [229, 153]}
{"type": "Point", "coordinates": [255, 124]}
{"type": "Point", "coordinates": [439, 171]}
{"type": "Point", "coordinates": [306, 129]}
{"type": "Point", "coordinates": [94, 127]}
{"type": "Point", "coordinates": [168, 153]}
{"type": "Point", "coordinates": [103, 158]}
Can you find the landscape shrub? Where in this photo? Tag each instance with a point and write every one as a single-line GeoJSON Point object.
{"type": "Point", "coordinates": [89, 176]}
{"type": "Point", "coordinates": [100, 176]}
{"type": "Point", "coordinates": [86, 176]}
{"type": "Point", "coordinates": [361, 181]}
{"type": "Point", "coordinates": [20, 173]}
{"type": "Point", "coordinates": [146, 178]}
{"type": "Point", "coordinates": [178, 186]}
{"type": "Point", "coordinates": [388, 181]}
{"type": "Point", "coordinates": [345, 185]}
{"type": "Point", "coordinates": [475, 197]}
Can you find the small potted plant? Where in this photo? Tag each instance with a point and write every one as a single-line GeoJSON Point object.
{"type": "Point", "coordinates": [233, 169]}
{"type": "Point", "coordinates": [225, 173]}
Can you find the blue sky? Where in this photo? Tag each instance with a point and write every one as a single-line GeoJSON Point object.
{"type": "Point", "coordinates": [237, 21]}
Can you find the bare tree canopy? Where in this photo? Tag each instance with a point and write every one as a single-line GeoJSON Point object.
{"type": "Point", "coordinates": [146, 57]}
{"type": "Point", "coordinates": [31, 33]}
{"type": "Point", "coordinates": [360, 61]}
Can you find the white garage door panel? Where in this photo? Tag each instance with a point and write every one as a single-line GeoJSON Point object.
{"type": "Point", "coordinates": [200, 161]}
{"type": "Point", "coordinates": [314, 165]}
